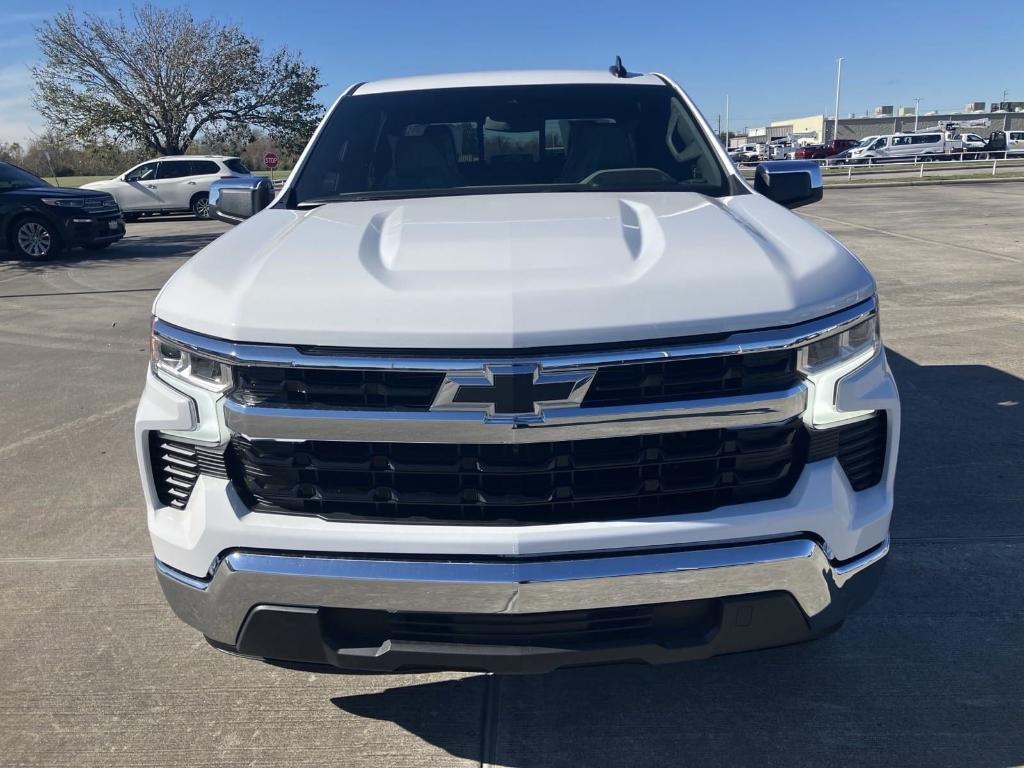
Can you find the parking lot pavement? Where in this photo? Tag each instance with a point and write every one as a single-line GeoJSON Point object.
{"type": "Point", "coordinates": [96, 671]}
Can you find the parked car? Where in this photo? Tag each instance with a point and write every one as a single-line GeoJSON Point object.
{"type": "Point", "coordinates": [806, 152]}
{"type": "Point", "coordinates": [1002, 144]}
{"type": "Point", "coordinates": [906, 146]}
{"type": "Point", "coordinates": [1014, 141]}
{"type": "Point", "coordinates": [840, 159]}
{"type": "Point", "coordinates": [821, 151]}
{"type": "Point", "coordinates": [170, 184]}
{"type": "Point", "coordinates": [384, 427]}
{"type": "Point", "coordinates": [747, 153]}
{"type": "Point", "coordinates": [39, 220]}
{"type": "Point", "coordinates": [970, 141]}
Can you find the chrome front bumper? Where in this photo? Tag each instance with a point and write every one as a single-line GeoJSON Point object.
{"type": "Point", "coordinates": [243, 580]}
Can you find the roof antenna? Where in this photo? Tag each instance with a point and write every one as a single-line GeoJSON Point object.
{"type": "Point", "coordinates": [617, 69]}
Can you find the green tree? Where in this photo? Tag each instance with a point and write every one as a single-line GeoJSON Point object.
{"type": "Point", "coordinates": [159, 77]}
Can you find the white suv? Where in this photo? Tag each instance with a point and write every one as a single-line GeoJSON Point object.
{"type": "Point", "coordinates": [170, 184]}
{"type": "Point", "coordinates": [517, 372]}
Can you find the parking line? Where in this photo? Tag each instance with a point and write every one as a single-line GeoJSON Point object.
{"type": "Point", "coordinates": [916, 239]}
{"type": "Point", "coordinates": [75, 293]}
{"type": "Point", "coordinates": [67, 427]}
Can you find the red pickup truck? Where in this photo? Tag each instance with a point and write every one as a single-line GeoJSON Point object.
{"type": "Point", "coordinates": [828, 149]}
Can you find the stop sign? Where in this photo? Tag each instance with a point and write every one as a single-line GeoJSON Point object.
{"type": "Point", "coordinates": [270, 160]}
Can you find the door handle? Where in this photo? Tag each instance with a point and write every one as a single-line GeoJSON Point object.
{"type": "Point", "coordinates": [151, 186]}
{"type": "Point", "coordinates": [191, 182]}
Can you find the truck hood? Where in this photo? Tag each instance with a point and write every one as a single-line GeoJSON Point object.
{"type": "Point", "coordinates": [513, 271]}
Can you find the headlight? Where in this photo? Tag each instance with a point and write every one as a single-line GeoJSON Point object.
{"type": "Point", "coordinates": [188, 365]}
{"type": "Point", "coordinates": [825, 362]}
{"type": "Point", "coordinates": [65, 202]}
{"type": "Point", "coordinates": [840, 347]}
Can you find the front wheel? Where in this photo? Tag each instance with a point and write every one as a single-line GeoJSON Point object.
{"type": "Point", "coordinates": [36, 239]}
{"type": "Point", "coordinates": [201, 207]}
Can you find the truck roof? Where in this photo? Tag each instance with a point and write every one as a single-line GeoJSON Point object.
{"type": "Point", "coordinates": [511, 77]}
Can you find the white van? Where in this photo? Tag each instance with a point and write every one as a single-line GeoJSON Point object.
{"type": "Point", "coordinates": [899, 146]}
{"type": "Point", "coordinates": [1015, 141]}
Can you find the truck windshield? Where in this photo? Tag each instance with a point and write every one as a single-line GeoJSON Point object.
{"type": "Point", "coordinates": [487, 140]}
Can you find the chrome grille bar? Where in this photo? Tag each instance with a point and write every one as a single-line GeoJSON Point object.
{"type": "Point", "coordinates": [557, 424]}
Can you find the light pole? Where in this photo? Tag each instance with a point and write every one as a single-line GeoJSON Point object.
{"type": "Point", "coordinates": [839, 80]}
{"type": "Point", "coordinates": [727, 121]}
{"type": "Point", "coordinates": [917, 111]}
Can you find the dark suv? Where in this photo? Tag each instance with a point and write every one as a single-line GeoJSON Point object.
{"type": "Point", "coordinates": [38, 220]}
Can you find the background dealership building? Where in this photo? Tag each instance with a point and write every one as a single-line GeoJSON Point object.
{"type": "Point", "coordinates": [1007, 115]}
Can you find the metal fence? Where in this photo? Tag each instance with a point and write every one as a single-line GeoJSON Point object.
{"type": "Point", "coordinates": [919, 164]}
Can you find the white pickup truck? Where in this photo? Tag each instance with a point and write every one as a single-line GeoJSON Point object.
{"type": "Point", "coordinates": [517, 372]}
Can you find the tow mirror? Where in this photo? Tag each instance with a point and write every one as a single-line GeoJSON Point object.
{"type": "Point", "coordinates": [235, 200]}
{"type": "Point", "coordinates": [791, 183]}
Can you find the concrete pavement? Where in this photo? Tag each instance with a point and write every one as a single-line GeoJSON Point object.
{"type": "Point", "coordinates": [95, 671]}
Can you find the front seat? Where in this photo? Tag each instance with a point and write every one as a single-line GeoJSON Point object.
{"type": "Point", "coordinates": [419, 163]}
{"type": "Point", "coordinates": [596, 147]}
{"type": "Point", "coordinates": [441, 136]}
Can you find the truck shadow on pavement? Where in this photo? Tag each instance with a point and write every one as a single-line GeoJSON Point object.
{"type": "Point", "coordinates": [927, 673]}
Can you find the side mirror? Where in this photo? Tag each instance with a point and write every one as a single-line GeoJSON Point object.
{"type": "Point", "coordinates": [791, 183]}
{"type": "Point", "coordinates": [235, 200]}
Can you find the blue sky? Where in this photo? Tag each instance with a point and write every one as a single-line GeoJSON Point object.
{"type": "Point", "coordinates": [773, 64]}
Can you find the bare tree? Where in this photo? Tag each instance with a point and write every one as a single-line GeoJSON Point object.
{"type": "Point", "coordinates": [160, 77]}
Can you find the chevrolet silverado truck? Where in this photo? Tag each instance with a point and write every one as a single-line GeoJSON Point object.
{"type": "Point", "coordinates": [517, 372]}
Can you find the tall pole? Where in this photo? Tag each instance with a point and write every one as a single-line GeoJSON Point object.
{"type": "Point", "coordinates": [839, 80]}
{"type": "Point", "coordinates": [727, 121]}
{"type": "Point", "coordinates": [917, 111]}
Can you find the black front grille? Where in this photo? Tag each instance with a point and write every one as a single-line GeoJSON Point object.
{"type": "Point", "coordinates": [625, 384]}
{"type": "Point", "coordinates": [667, 622]}
{"type": "Point", "coordinates": [532, 484]}
{"type": "Point", "coordinates": [177, 466]}
{"type": "Point", "coordinates": [689, 379]}
{"type": "Point", "coordinates": [860, 448]}
{"type": "Point", "coordinates": [353, 389]}
{"type": "Point", "coordinates": [100, 204]}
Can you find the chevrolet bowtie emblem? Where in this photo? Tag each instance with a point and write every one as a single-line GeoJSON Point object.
{"type": "Point", "coordinates": [512, 392]}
